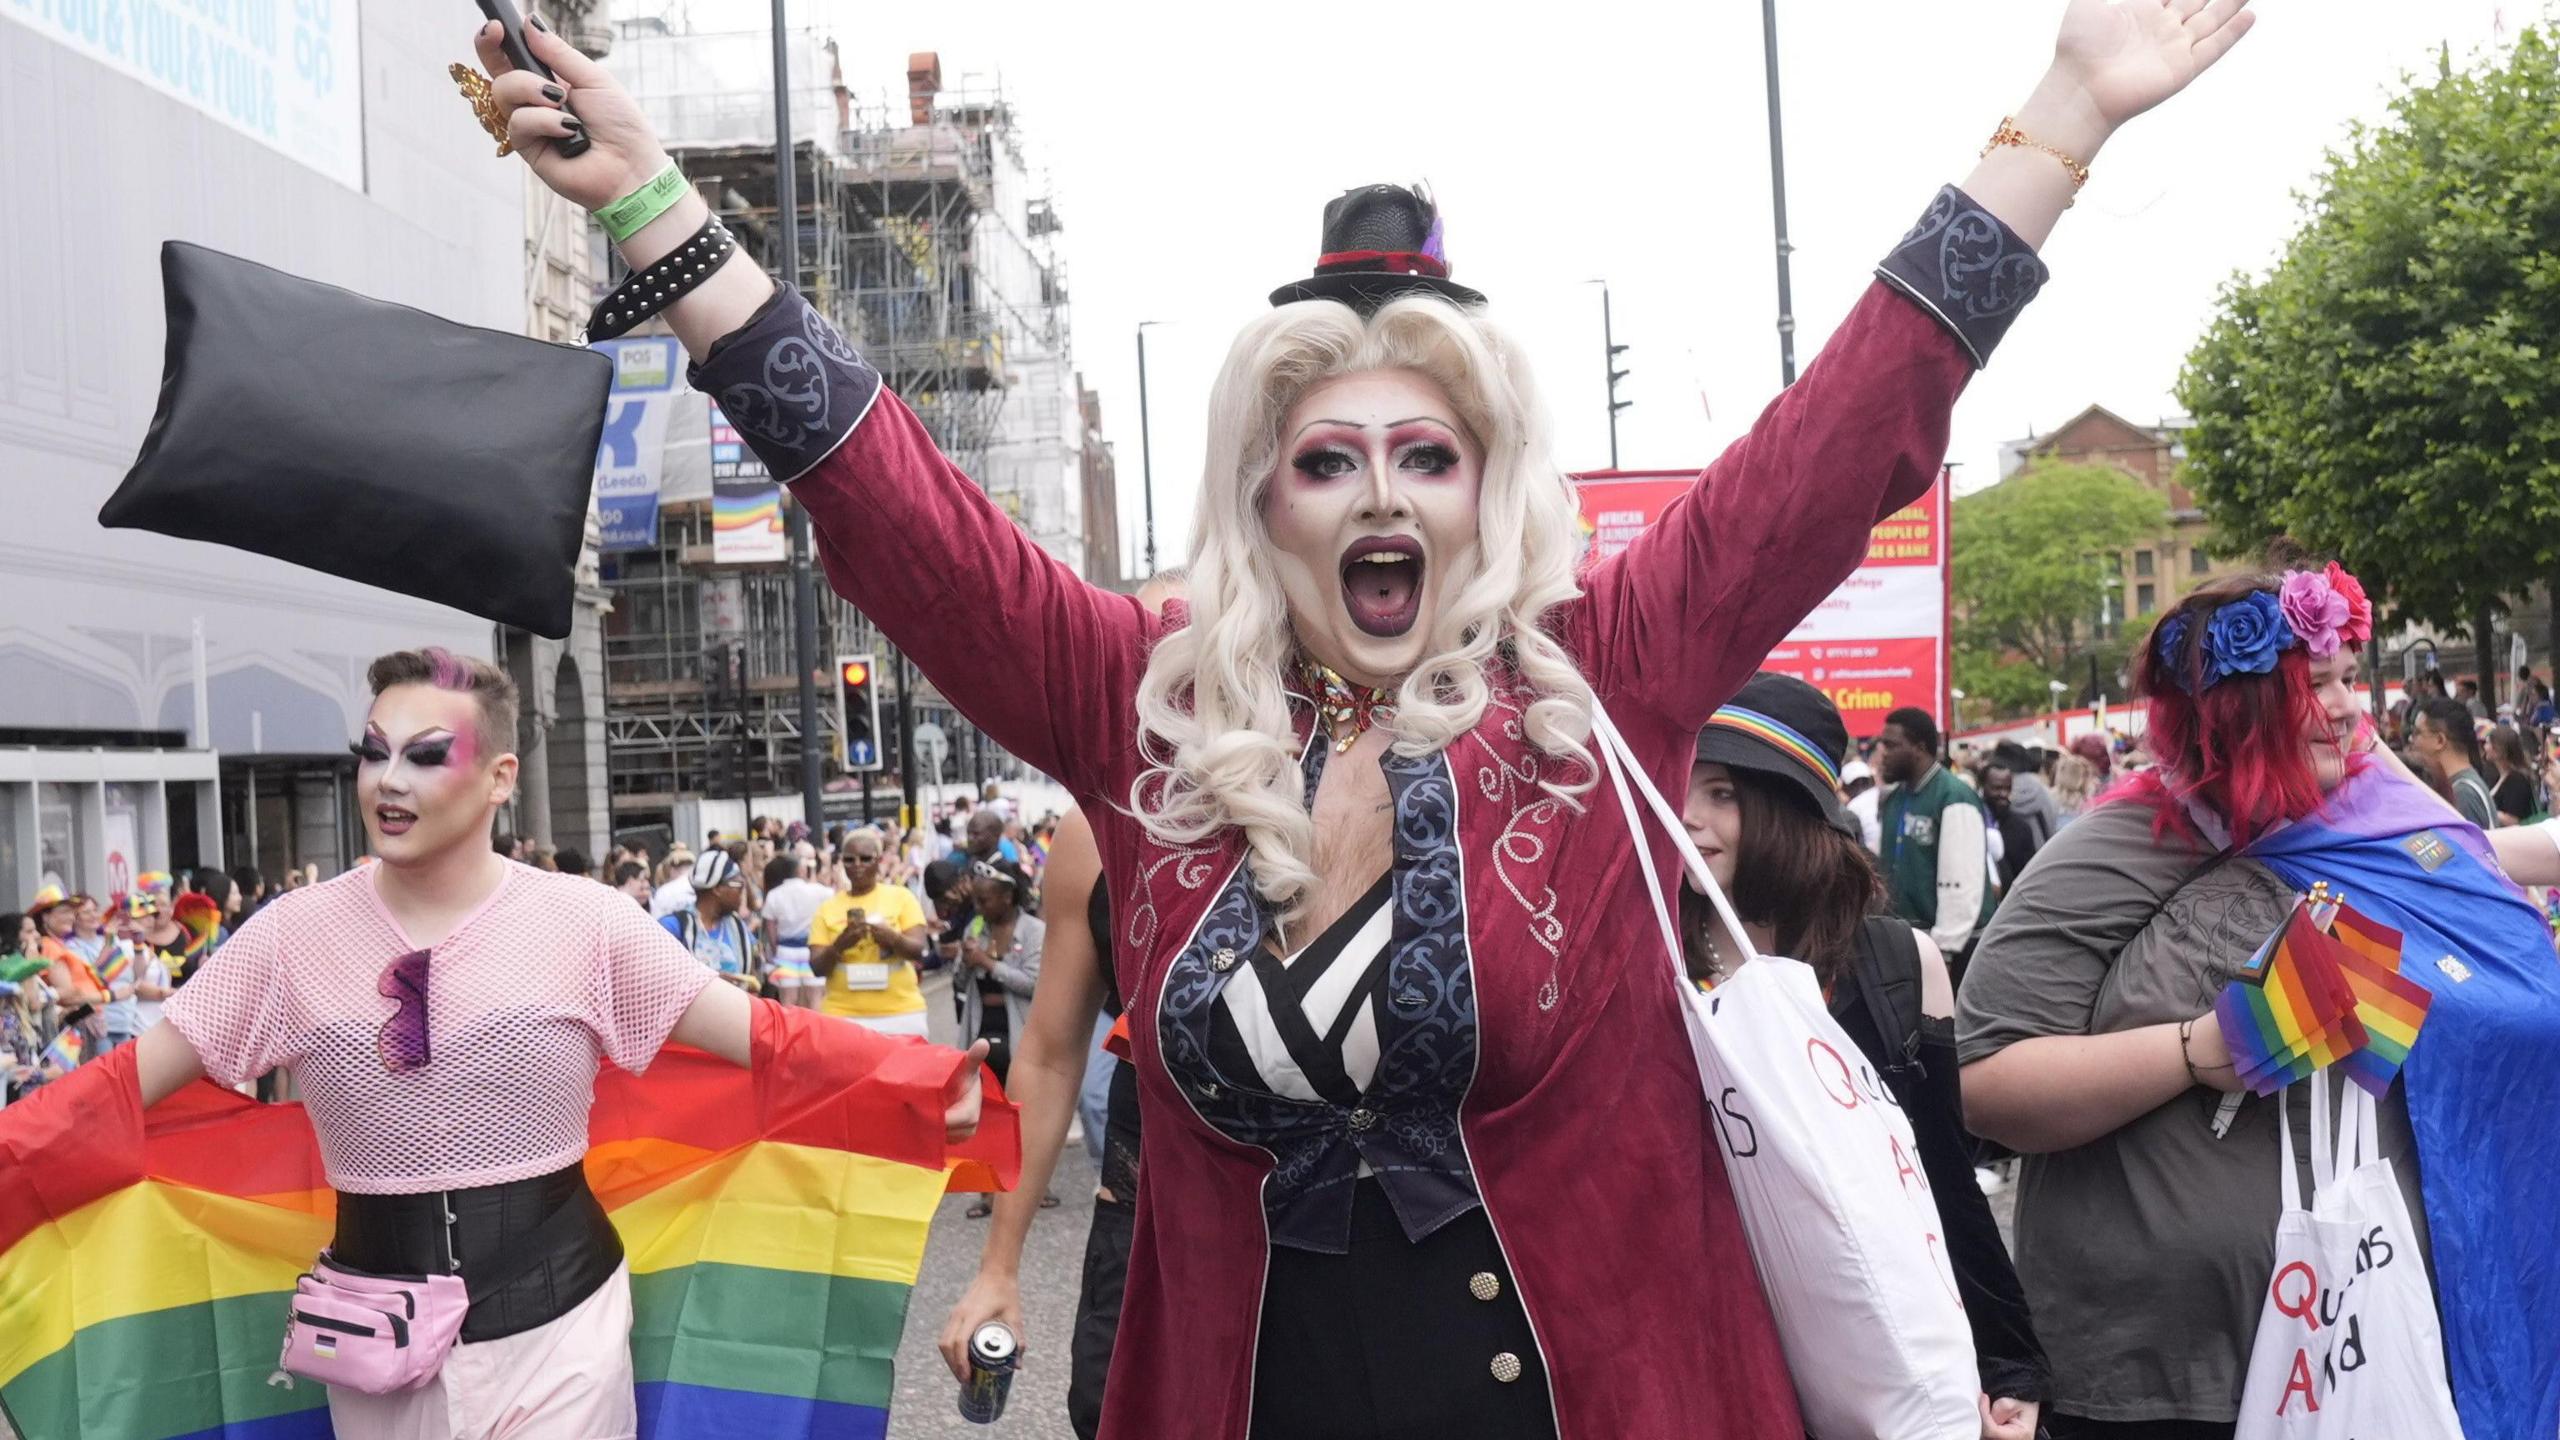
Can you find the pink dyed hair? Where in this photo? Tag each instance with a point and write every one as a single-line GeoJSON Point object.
{"type": "Point", "coordinates": [2238, 744]}
{"type": "Point", "coordinates": [486, 684]}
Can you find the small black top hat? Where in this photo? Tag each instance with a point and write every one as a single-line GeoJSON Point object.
{"type": "Point", "coordinates": [1381, 242]}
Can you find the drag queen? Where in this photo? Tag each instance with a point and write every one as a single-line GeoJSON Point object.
{"type": "Point", "coordinates": [444, 1011]}
{"type": "Point", "coordinates": [1426, 1151]}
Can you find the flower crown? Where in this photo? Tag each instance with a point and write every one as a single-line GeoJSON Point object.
{"type": "Point", "coordinates": [2317, 609]}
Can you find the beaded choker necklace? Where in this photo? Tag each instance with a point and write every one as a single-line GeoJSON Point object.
{"type": "Point", "coordinates": [1345, 709]}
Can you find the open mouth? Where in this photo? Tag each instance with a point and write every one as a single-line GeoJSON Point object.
{"type": "Point", "coordinates": [393, 819]}
{"type": "Point", "coordinates": [1382, 584]}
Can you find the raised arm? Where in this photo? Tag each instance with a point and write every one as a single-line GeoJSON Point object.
{"type": "Point", "coordinates": [1683, 615]}
{"type": "Point", "coordinates": [915, 544]}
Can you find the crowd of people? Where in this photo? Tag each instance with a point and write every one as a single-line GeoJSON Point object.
{"type": "Point", "coordinates": [845, 921]}
{"type": "Point", "coordinates": [1950, 872]}
{"type": "Point", "coordinates": [81, 976]}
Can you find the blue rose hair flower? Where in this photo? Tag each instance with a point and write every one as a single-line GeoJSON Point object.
{"type": "Point", "coordinates": [2169, 647]}
{"type": "Point", "coordinates": [2246, 637]}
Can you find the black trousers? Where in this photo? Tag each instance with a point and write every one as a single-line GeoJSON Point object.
{"type": "Point", "coordinates": [1106, 1276]}
{"type": "Point", "coordinates": [1392, 1342]}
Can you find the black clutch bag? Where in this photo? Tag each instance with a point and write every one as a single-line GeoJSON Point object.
{"type": "Point", "coordinates": [369, 440]}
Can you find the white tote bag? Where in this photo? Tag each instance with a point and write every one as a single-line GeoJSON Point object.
{"type": "Point", "coordinates": [1833, 1198]}
{"type": "Point", "coordinates": [2348, 1344]}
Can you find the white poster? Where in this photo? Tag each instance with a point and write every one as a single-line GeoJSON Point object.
{"type": "Point", "coordinates": [283, 72]}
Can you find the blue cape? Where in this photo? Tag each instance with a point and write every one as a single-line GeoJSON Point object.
{"type": "Point", "coordinates": [2483, 1081]}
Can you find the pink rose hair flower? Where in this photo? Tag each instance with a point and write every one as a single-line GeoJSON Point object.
{"type": "Point", "coordinates": [2359, 626]}
{"type": "Point", "coordinates": [2314, 610]}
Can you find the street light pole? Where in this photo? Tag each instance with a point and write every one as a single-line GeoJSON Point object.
{"type": "Point", "coordinates": [1610, 350]}
{"type": "Point", "coordinates": [804, 583]}
{"type": "Point", "coordinates": [1146, 449]}
{"type": "Point", "coordinates": [1609, 339]}
{"type": "Point", "coordinates": [1778, 198]}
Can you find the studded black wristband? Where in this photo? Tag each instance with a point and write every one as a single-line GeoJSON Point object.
{"type": "Point", "coordinates": [663, 284]}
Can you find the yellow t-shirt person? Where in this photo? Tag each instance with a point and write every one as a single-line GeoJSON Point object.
{"type": "Point", "coordinates": [894, 906]}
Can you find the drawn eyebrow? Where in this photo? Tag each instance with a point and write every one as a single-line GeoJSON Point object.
{"type": "Point", "coordinates": [1390, 425]}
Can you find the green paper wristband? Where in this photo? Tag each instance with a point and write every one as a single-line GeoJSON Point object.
{"type": "Point", "coordinates": [625, 217]}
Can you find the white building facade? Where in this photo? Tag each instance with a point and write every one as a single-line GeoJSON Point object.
{"type": "Point", "coordinates": [323, 138]}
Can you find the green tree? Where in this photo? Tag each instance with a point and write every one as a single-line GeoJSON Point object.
{"type": "Point", "coordinates": [2389, 392]}
{"type": "Point", "coordinates": [2031, 561]}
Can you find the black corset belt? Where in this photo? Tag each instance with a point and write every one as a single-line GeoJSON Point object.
{"type": "Point", "coordinates": [529, 1250]}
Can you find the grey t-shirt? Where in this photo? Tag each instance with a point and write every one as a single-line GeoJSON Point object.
{"type": "Point", "coordinates": [2146, 1253]}
{"type": "Point", "coordinates": [2471, 797]}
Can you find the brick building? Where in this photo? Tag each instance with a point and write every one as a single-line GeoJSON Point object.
{"type": "Point", "coordinates": [2151, 575]}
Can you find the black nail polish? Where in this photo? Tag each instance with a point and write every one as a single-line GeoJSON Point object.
{"type": "Point", "coordinates": [554, 94]}
{"type": "Point", "coordinates": [541, 24]}
{"type": "Point", "coordinates": [576, 125]}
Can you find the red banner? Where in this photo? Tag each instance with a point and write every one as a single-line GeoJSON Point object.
{"type": "Point", "coordinates": [1619, 506]}
{"type": "Point", "coordinates": [1874, 645]}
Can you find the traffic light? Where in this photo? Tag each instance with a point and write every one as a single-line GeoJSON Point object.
{"type": "Point", "coordinates": [858, 711]}
{"type": "Point", "coordinates": [1616, 375]}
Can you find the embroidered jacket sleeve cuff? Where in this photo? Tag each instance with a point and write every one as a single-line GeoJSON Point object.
{"type": "Point", "coordinates": [1961, 264]}
{"type": "Point", "coordinates": [789, 383]}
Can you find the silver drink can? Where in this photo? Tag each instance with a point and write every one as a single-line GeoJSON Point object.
{"type": "Point", "coordinates": [993, 1353]}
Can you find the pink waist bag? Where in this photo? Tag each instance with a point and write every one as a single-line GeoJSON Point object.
{"type": "Point", "coordinates": [378, 1334]}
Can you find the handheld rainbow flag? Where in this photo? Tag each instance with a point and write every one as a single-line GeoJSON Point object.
{"type": "Point", "coordinates": [2391, 1005]}
{"type": "Point", "coordinates": [115, 962]}
{"type": "Point", "coordinates": [201, 917]}
{"type": "Point", "coordinates": [64, 1052]}
{"type": "Point", "coordinates": [774, 1219]}
{"type": "Point", "coordinates": [2291, 1010]}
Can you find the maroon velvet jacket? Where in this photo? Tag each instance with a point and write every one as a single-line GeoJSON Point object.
{"type": "Point", "coordinates": [1589, 1137]}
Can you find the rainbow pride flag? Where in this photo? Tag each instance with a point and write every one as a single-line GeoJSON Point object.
{"type": "Point", "coordinates": [2291, 1010]}
{"type": "Point", "coordinates": [2392, 1006]}
{"type": "Point", "coordinates": [65, 1052]}
{"type": "Point", "coordinates": [201, 917]}
{"type": "Point", "coordinates": [774, 1222]}
{"type": "Point", "coordinates": [115, 962]}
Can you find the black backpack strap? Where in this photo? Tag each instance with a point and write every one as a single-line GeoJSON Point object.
{"type": "Point", "coordinates": [1886, 964]}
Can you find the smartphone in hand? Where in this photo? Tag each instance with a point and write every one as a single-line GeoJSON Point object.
{"type": "Point", "coordinates": [520, 55]}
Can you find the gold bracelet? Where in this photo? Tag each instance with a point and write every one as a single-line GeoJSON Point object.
{"type": "Point", "coordinates": [2010, 134]}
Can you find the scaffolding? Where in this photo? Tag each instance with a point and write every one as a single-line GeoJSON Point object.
{"type": "Point", "coordinates": [923, 235]}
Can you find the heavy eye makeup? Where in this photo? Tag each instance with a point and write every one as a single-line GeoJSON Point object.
{"type": "Point", "coordinates": [1332, 461]}
{"type": "Point", "coordinates": [428, 753]}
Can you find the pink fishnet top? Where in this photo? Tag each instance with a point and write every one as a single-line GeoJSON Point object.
{"type": "Point", "coordinates": [551, 975]}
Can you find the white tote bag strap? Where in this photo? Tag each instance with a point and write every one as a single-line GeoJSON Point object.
{"type": "Point", "coordinates": [2368, 1126]}
{"type": "Point", "coordinates": [2324, 1141]}
{"type": "Point", "coordinates": [2359, 1144]}
{"type": "Point", "coordinates": [2284, 1146]}
{"type": "Point", "coordinates": [1621, 762]}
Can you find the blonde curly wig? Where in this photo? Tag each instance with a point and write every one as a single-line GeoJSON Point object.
{"type": "Point", "coordinates": [1213, 707]}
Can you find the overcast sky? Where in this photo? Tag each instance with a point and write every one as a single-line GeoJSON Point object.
{"type": "Point", "coordinates": [1193, 148]}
